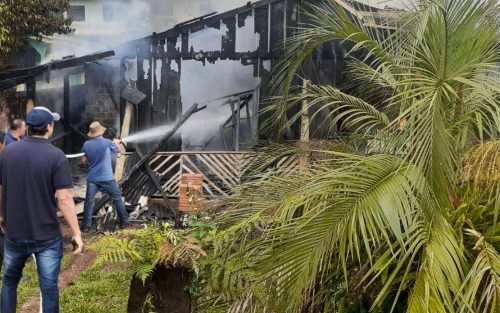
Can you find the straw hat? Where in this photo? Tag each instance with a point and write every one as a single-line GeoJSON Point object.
{"type": "Point", "coordinates": [96, 130]}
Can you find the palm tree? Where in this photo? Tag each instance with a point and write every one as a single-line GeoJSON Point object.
{"type": "Point", "coordinates": [403, 215]}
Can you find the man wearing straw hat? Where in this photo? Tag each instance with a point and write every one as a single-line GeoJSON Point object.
{"type": "Point", "coordinates": [100, 174]}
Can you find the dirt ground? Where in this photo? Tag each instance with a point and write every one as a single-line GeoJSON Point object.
{"type": "Point", "coordinates": [79, 263]}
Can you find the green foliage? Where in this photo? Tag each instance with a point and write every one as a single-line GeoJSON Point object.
{"type": "Point", "coordinates": [149, 306]}
{"type": "Point", "coordinates": [21, 20]}
{"type": "Point", "coordinates": [146, 248]}
{"type": "Point", "coordinates": [401, 214]}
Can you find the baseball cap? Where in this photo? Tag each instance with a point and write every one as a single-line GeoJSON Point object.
{"type": "Point", "coordinates": [41, 116]}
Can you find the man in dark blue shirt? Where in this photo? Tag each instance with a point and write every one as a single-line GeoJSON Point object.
{"type": "Point", "coordinates": [100, 174]}
{"type": "Point", "coordinates": [33, 174]}
{"type": "Point", "coordinates": [17, 130]}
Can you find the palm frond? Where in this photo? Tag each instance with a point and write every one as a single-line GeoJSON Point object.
{"type": "Point", "coordinates": [439, 276]}
{"type": "Point", "coordinates": [481, 287]}
{"type": "Point", "coordinates": [326, 22]}
{"type": "Point", "coordinates": [481, 164]}
{"type": "Point", "coordinates": [398, 208]}
{"type": "Point", "coordinates": [348, 111]}
{"type": "Point", "coordinates": [367, 203]}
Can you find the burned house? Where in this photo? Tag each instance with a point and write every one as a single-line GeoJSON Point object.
{"type": "Point", "coordinates": [220, 61]}
{"type": "Point", "coordinates": [215, 59]}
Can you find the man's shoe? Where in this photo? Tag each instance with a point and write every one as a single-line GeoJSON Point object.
{"type": "Point", "coordinates": [123, 226]}
{"type": "Point", "coordinates": [85, 229]}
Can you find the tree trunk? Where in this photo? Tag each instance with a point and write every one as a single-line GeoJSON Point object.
{"type": "Point", "coordinates": [165, 287]}
{"type": "Point", "coordinates": [138, 295]}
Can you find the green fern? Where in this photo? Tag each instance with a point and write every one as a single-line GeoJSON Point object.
{"type": "Point", "coordinates": [149, 247]}
{"type": "Point", "coordinates": [115, 250]}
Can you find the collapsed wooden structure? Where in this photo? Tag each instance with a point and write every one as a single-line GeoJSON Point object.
{"type": "Point", "coordinates": [28, 76]}
{"type": "Point", "coordinates": [164, 53]}
{"type": "Point", "coordinates": [153, 67]}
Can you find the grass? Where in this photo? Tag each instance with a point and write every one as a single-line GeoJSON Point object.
{"type": "Point", "coordinates": [98, 290]}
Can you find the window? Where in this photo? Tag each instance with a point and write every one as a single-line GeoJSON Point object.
{"type": "Point", "coordinates": [77, 79]}
{"type": "Point", "coordinates": [114, 13]}
{"type": "Point", "coordinates": [77, 13]}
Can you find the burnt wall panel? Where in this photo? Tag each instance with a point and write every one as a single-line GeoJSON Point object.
{"type": "Point", "coordinates": [160, 94]}
{"type": "Point", "coordinates": [261, 27]}
{"type": "Point", "coordinates": [229, 40]}
{"type": "Point", "coordinates": [292, 15]}
{"type": "Point", "coordinates": [277, 27]}
{"type": "Point", "coordinates": [172, 100]}
{"type": "Point", "coordinates": [242, 17]}
{"type": "Point", "coordinates": [185, 43]}
{"type": "Point", "coordinates": [143, 117]}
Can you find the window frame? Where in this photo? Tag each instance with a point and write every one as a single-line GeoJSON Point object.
{"type": "Point", "coordinates": [112, 13]}
{"type": "Point", "coordinates": [81, 9]}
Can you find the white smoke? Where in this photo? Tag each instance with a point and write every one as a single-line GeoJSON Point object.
{"type": "Point", "coordinates": [139, 18]}
{"type": "Point", "coordinates": [131, 20]}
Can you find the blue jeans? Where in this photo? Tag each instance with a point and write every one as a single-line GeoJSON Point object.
{"type": "Point", "coordinates": [48, 254]}
{"type": "Point", "coordinates": [112, 188]}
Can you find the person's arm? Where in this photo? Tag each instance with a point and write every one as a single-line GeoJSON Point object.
{"type": "Point", "coordinates": [62, 182]}
{"type": "Point", "coordinates": [121, 147]}
{"type": "Point", "coordinates": [117, 146]}
{"type": "Point", "coordinates": [84, 158]}
{"type": "Point", "coordinates": [67, 207]}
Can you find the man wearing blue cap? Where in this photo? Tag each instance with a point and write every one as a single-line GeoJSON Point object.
{"type": "Point", "coordinates": [31, 173]}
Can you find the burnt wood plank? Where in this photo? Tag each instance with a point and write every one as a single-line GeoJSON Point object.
{"type": "Point", "coordinates": [229, 39]}
{"type": "Point", "coordinates": [262, 28]}
{"type": "Point", "coordinates": [277, 26]}
{"type": "Point", "coordinates": [154, 178]}
{"type": "Point", "coordinates": [55, 65]}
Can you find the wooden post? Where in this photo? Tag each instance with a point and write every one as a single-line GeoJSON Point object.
{"type": "Point", "coordinates": [238, 120]}
{"type": "Point", "coordinates": [29, 106]}
{"type": "Point", "coordinates": [30, 93]}
{"type": "Point", "coordinates": [125, 131]}
{"type": "Point", "coordinates": [304, 129]}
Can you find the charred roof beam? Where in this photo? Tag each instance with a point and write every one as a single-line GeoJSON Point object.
{"type": "Point", "coordinates": [54, 65]}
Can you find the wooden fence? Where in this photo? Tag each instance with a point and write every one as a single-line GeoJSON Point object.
{"type": "Point", "coordinates": [221, 170]}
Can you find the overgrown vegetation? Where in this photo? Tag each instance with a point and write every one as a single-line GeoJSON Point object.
{"type": "Point", "coordinates": [406, 218]}
{"type": "Point", "coordinates": [151, 251]}
{"type": "Point", "coordinates": [397, 213]}
{"type": "Point", "coordinates": [157, 244]}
